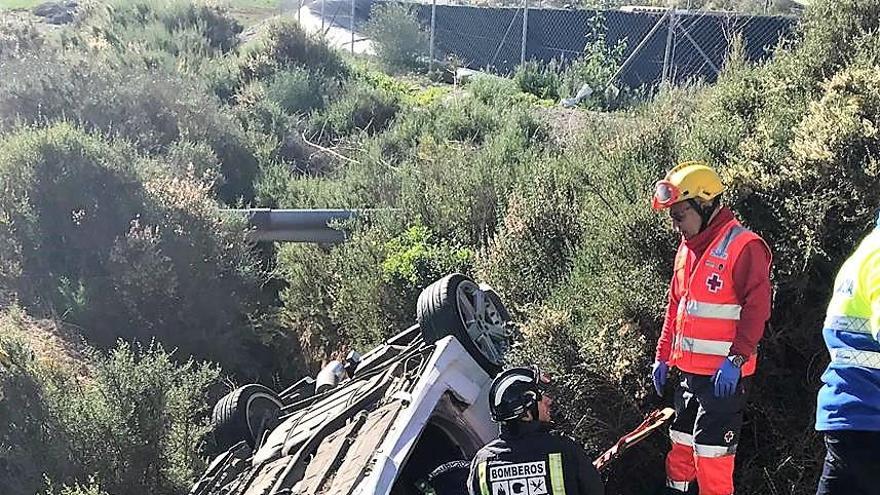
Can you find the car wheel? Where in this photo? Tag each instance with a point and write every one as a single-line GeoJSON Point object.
{"type": "Point", "coordinates": [455, 305]}
{"type": "Point", "coordinates": [500, 309]}
{"type": "Point", "coordinates": [244, 414]}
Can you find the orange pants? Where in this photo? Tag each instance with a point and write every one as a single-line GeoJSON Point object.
{"type": "Point", "coordinates": [704, 436]}
{"type": "Point", "coordinates": [714, 475]}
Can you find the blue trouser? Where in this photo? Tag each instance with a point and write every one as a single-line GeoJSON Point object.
{"type": "Point", "coordinates": [852, 463]}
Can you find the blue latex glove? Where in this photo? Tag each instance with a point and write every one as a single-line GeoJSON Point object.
{"type": "Point", "coordinates": [726, 379]}
{"type": "Point", "coordinates": [658, 375]}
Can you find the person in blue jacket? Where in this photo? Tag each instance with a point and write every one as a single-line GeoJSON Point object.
{"type": "Point", "coordinates": [848, 409]}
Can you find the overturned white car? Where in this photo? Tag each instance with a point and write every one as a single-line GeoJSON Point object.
{"type": "Point", "coordinates": [377, 424]}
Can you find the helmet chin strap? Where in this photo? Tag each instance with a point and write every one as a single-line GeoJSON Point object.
{"type": "Point", "coordinates": [705, 212]}
{"type": "Point", "coordinates": [534, 411]}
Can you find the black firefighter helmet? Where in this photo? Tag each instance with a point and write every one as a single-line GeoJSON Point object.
{"type": "Point", "coordinates": [516, 391]}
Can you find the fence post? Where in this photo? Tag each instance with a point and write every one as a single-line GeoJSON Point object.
{"type": "Point", "coordinates": [667, 53]}
{"type": "Point", "coordinates": [525, 31]}
{"type": "Point", "coordinates": [299, 13]}
{"type": "Point", "coordinates": [351, 27]}
{"type": "Point", "coordinates": [323, 2]}
{"type": "Point", "coordinates": [433, 28]}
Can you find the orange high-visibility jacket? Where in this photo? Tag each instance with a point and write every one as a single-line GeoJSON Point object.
{"type": "Point", "coordinates": [709, 310]}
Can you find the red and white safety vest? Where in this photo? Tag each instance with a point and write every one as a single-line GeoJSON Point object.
{"type": "Point", "coordinates": [708, 308]}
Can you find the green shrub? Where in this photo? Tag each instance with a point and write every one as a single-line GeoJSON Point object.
{"type": "Point", "coordinates": [85, 235]}
{"type": "Point", "coordinates": [140, 424]}
{"type": "Point", "coordinates": [333, 313]}
{"type": "Point", "coordinates": [131, 421]}
{"type": "Point", "coordinates": [17, 38]}
{"type": "Point", "coordinates": [92, 488]}
{"type": "Point", "coordinates": [386, 265]}
{"type": "Point", "coordinates": [491, 89]}
{"type": "Point", "coordinates": [415, 259]}
{"type": "Point", "coordinates": [466, 120]}
{"type": "Point", "coordinates": [541, 222]}
{"type": "Point", "coordinates": [595, 67]}
{"type": "Point", "coordinates": [284, 44]}
{"type": "Point", "coordinates": [175, 26]}
{"type": "Point", "coordinates": [360, 108]}
{"type": "Point", "coordinates": [263, 120]}
{"type": "Point", "coordinates": [540, 79]}
{"type": "Point", "coordinates": [153, 110]}
{"type": "Point", "coordinates": [296, 90]}
{"type": "Point", "coordinates": [33, 443]}
{"type": "Point", "coordinates": [399, 39]}
{"type": "Point", "coordinates": [223, 77]}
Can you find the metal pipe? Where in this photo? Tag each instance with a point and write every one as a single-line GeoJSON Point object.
{"type": "Point", "coordinates": [525, 31]}
{"type": "Point", "coordinates": [351, 26]}
{"type": "Point", "coordinates": [638, 48]}
{"type": "Point", "coordinates": [664, 78]}
{"type": "Point", "coordinates": [315, 226]}
{"type": "Point", "coordinates": [703, 54]}
{"type": "Point", "coordinates": [433, 28]}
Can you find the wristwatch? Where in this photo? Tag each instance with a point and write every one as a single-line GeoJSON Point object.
{"type": "Point", "coordinates": [737, 360]}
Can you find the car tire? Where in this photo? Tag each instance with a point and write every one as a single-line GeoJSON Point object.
{"type": "Point", "coordinates": [455, 305]}
{"type": "Point", "coordinates": [244, 414]}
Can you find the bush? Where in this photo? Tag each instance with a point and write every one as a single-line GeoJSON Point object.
{"type": "Point", "coordinates": [332, 313]}
{"type": "Point", "coordinates": [415, 259]}
{"type": "Point", "coordinates": [92, 488]}
{"type": "Point", "coordinates": [540, 79]}
{"type": "Point", "coordinates": [86, 235]}
{"type": "Point", "coordinates": [362, 108]}
{"type": "Point", "coordinates": [284, 44]}
{"type": "Point", "coordinates": [33, 444]}
{"type": "Point", "coordinates": [263, 120]}
{"type": "Point", "coordinates": [491, 89]}
{"type": "Point", "coordinates": [540, 223]}
{"type": "Point", "coordinates": [176, 27]}
{"type": "Point", "coordinates": [466, 120]}
{"type": "Point", "coordinates": [595, 67]}
{"type": "Point", "coordinates": [386, 265]}
{"type": "Point", "coordinates": [18, 38]}
{"type": "Point", "coordinates": [397, 36]}
{"type": "Point", "coordinates": [130, 421]}
{"type": "Point", "coordinates": [296, 90]}
{"type": "Point", "coordinates": [140, 425]}
{"type": "Point", "coordinates": [153, 110]}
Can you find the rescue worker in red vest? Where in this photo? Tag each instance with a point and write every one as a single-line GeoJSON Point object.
{"type": "Point", "coordinates": [527, 458]}
{"type": "Point", "coordinates": [719, 303]}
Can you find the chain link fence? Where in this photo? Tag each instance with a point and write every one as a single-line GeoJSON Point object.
{"type": "Point", "coordinates": [670, 45]}
{"type": "Point", "coordinates": [673, 45]}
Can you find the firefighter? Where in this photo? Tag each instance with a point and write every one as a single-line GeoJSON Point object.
{"type": "Point", "coordinates": [449, 478]}
{"type": "Point", "coordinates": [719, 303]}
{"type": "Point", "coordinates": [527, 458]}
{"type": "Point", "coordinates": [848, 412]}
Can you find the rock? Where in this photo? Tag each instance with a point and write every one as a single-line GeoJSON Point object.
{"type": "Point", "coordinates": [62, 12]}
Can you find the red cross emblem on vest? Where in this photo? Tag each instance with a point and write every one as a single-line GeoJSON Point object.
{"type": "Point", "coordinates": [714, 283]}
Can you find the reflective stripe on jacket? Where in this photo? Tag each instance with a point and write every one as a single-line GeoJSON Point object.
{"type": "Point", "coordinates": [533, 460]}
{"type": "Point", "coordinates": [849, 398]}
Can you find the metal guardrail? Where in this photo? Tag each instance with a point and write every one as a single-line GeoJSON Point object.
{"type": "Point", "coordinates": [317, 226]}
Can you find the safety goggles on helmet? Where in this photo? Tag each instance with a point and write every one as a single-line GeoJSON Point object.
{"type": "Point", "coordinates": [666, 194]}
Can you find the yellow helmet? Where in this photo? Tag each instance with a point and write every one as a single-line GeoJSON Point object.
{"type": "Point", "coordinates": [687, 180]}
